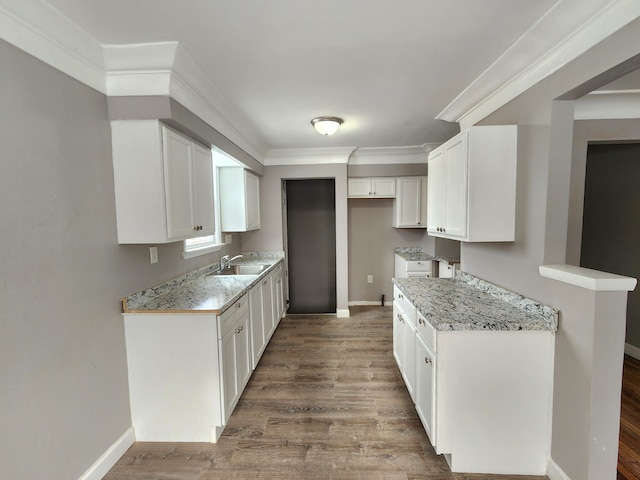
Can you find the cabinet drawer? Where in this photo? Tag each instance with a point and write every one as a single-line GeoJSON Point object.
{"type": "Point", "coordinates": [405, 305]}
{"type": "Point", "coordinates": [426, 332]}
{"type": "Point", "coordinates": [229, 318]}
{"type": "Point", "coordinates": [419, 266]}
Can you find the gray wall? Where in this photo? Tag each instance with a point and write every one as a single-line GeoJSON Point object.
{"type": "Point", "coordinates": [372, 241]}
{"type": "Point", "coordinates": [611, 226]}
{"type": "Point", "coordinates": [63, 370]}
{"type": "Point", "coordinates": [543, 186]}
{"type": "Point", "coordinates": [270, 235]}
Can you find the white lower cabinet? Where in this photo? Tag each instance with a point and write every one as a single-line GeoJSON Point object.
{"type": "Point", "coordinates": [483, 396]}
{"type": "Point", "coordinates": [404, 340]}
{"type": "Point", "coordinates": [425, 388]}
{"type": "Point", "coordinates": [187, 371]}
{"type": "Point", "coordinates": [412, 268]}
{"type": "Point", "coordinates": [235, 356]}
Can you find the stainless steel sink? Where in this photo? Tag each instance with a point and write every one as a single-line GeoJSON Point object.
{"type": "Point", "coordinates": [243, 270]}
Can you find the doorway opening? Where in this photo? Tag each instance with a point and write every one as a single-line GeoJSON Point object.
{"type": "Point", "coordinates": [309, 222]}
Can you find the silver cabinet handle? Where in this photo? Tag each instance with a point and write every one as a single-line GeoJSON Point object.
{"type": "Point", "coordinates": [420, 321]}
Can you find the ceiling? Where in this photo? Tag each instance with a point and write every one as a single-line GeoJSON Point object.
{"type": "Point", "coordinates": [387, 67]}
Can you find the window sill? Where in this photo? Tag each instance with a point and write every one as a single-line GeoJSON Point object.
{"type": "Point", "coordinates": [196, 252]}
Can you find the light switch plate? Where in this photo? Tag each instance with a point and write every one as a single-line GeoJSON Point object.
{"type": "Point", "coordinates": [228, 238]}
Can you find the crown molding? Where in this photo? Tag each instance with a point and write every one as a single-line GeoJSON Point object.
{"type": "Point", "coordinates": [308, 156]}
{"type": "Point", "coordinates": [162, 68]}
{"type": "Point", "coordinates": [54, 39]}
{"type": "Point", "coordinates": [490, 91]}
{"type": "Point", "coordinates": [391, 155]}
{"type": "Point", "coordinates": [609, 105]}
{"type": "Point", "coordinates": [166, 68]}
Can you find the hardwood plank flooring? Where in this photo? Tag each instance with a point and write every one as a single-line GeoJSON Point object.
{"type": "Point", "coordinates": [326, 402]}
{"type": "Point", "coordinates": [629, 446]}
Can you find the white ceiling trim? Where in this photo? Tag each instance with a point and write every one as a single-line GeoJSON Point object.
{"type": "Point", "coordinates": [608, 105]}
{"type": "Point", "coordinates": [162, 68]}
{"type": "Point", "coordinates": [480, 99]}
{"type": "Point", "coordinates": [308, 156]}
{"type": "Point", "coordinates": [53, 38]}
{"type": "Point", "coordinates": [391, 155]}
{"type": "Point", "coordinates": [142, 69]}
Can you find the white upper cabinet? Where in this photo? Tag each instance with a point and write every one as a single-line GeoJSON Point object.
{"type": "Point", "coordinates": [472, 185]}
{"type": "Point", "coordinates": [374, 187]}
{"type": "Point", "coordinates": [410, 206]}
{"type": "Point", "coordinates": [239, 199]}
{"type": "Point", "coordinates": [163, 183]}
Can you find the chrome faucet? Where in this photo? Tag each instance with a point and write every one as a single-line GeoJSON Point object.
{"type": "Point", "coordinates": [225, 262]}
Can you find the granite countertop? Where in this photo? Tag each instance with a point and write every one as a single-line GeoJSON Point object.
{"type": "Point", "coordinates": [415, 254]}
{"type": "Point", "coordinates": [200, 291]}
{"type": "Point", "coordinates": [469, 303]}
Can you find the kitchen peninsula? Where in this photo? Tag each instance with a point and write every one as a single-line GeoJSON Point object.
{"type": "Point", "coordinates": [477, 360]}
{"type": "Point", "coordinates": [193, 342]}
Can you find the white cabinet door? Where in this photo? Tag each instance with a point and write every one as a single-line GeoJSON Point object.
{"type": "Point", "coordinates": [409, 358]}
{"type": "Point", "coordinates": [258, 342]}
{"type": "Point", "coordinates": [278, 295]}
{"type": "Point", "coordinates": [436, 216]}
{"type": "Point", "coordinates": [267, 307]}
{"type": "Point", "coordinates": [228, 371]}
{"type": "Point", "coordinates": [383, 187]}
{"type": "Point", "coordinates": [203, 198]}
{"type": "Point", "coordinates": [410, 206]}
{"type": "Point", "coordinates": [398, 335]}
{"type": "Point", "coordinates": [235, 363]}
{"type": "Point", "coordinates": [456, 156]}
{"type": "Point", "coordinates": [359, 187]}
{"type": "Point", "coordinates": [252, 189]}
{"type": "Point", "coordinates": [425, 387]}
{"type": "Point", "coordinates": [239, 199]}
{"type": "Point", "coordinates": [178, 178]}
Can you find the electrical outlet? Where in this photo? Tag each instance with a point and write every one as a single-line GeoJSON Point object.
{"type": "Point", "coordinates": [228, 238]}
{"type": "Point", "coordinates": [153, 254]}
{"type": "Point", "coordinates": [369, 278]}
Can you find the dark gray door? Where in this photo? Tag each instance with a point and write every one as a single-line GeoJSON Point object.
{"type": "Point", "coordinates": [311, 245]}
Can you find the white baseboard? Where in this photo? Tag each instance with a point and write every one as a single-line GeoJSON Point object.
{"type": "Point", "coordinates": [632, 351]}
{"type": "Point", "coordinates": [554, 472]}
{"type": "Point", "coordinates": [367, 302]}
{"type": "Point", "coordinates": [343, 313]}
{"type": "Point", "coordinates": [109, 458]}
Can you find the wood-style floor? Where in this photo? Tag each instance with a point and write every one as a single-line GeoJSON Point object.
{"type": "Point", "coordinates": [629, 447]}
{"type": "Point", "coordinates": [326, 402]}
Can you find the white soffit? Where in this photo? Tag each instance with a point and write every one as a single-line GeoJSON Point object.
{"type": "Point", "coordinates": [505, 79]}
{"type": "Point", "coordinates": [608, 105]}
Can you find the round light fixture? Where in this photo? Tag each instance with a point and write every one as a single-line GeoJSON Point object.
{"type": "Point", "coordinates": [326, 125]}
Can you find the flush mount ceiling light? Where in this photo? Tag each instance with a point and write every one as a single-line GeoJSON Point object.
{"type": "Point", "coordinates": [326, 125]}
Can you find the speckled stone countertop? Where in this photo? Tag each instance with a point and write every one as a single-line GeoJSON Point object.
{"type": "Point", "coordinates": [469, 303]}
{"type": "Point", "coordinates": [414, 254]}
{"type": "Point", "coordinates": [199, 291]}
